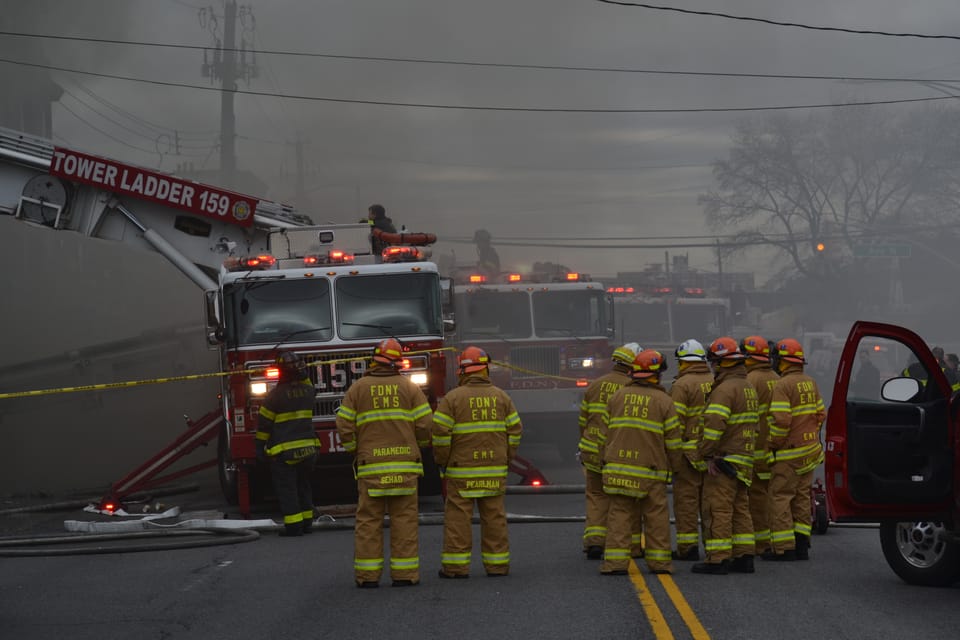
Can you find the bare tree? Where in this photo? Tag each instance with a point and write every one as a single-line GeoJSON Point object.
{"type": "Point", "coordinates": [840, 179]}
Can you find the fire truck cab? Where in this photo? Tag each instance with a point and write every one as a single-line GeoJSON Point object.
{"type": "Point", "coordinates": [320, 293]}
{"type": "Point", "coordinates": [548, 334]}
{"type": "Point", "coordinates": [893, 451]}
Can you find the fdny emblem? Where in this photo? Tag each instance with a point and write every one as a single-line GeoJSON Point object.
{"type": "Point", "coordinates": [241, 210]}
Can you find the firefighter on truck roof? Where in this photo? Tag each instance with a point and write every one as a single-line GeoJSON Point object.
{"type": "Point", "coordinates": [639, 443]}
{"type": "Point", "coordinates": [763, 378]}
{"type": "Point", "coordinates": [729, 432]}
{"type": "Point", "coordinates": [593, 408]}
{"type": "Point", "coordinates": [476, 433]}
{"type": "Point", "coordinates": [384, 420]}
{"type": "Point", "coordinates": [286, 438]}
{"type": "Point", "coordinates": [689, 392]}
{"type": "Point", "coordinates": [798, 412]}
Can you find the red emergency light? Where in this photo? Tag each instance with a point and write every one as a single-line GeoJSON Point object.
{"type": "Point", "coordinates": [573, 277]}
{"type": "Point", "coordinates": [582, 382]}
{"type": "Point", "coordinates": [477, 278]}
{"type": "Point", "coordinates": [402, 254]}
{"type": "Point", "coordinates": [513, 277]}
{"type": "Point", "coordinates": [272, 373]}
{"type": "Point", "coordinates": [693, 291]}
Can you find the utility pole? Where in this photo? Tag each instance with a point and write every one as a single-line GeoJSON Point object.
{"type": "Point", "coordinates": [228, 80]}
{"type": "Point", "coordinates": [224, 65]}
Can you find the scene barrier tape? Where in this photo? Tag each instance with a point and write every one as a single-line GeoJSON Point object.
{"type": "Point", "coordinates": [201, 376]}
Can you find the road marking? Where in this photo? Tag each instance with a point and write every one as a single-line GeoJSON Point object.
{"type": "Point", "coordinates": [689, 617]}
{"type": "Point", "coordinates": [657, 622]}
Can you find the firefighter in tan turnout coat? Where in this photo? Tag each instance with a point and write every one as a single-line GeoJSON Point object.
{"type": "Point", "coordinates": [795, 451]}
{"type": "Point", "coordinates": [384, 420]}
{"type": "Point", "coordinates": [729, 432]}
{"type": "Point", "coordinates": [639, 444]}
{"type": "Point", "coordinates": [593, 410]}
{"type": "Point", "coordinates": [689, 392]}
{"type": "Point", "coordinates": [476, 432]}
{"type": "Point", "coordinates": [763, 378]}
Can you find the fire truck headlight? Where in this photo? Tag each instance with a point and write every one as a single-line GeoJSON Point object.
{"type": "Point", "coordinates": [419, 379]}
{"type": "Point", "coordinates": [258, 388]}
{"type": "Point", "coordinates": [580, 363]}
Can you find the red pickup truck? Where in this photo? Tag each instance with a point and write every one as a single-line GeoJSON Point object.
{"type": "Point", "coordinates": [893, 451]}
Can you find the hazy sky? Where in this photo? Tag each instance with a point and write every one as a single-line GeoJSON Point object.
{"type": "Point", "coordinates": [517, 174]}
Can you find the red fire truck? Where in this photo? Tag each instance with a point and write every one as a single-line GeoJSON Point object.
{"type": "Point", "coordinates": [320, 293]}
{"type": "Point", "coordinates": [548, 335]}
{"type": "Point", "coordinates": [272, 281]}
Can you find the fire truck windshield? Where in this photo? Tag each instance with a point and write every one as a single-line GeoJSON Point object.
{"type": "Point", "coordinates": [270, 311]}
{"type": "Point", "coordinates": [401, 304]}
{"type": "Point", "coordinates": [493, 314]}
{"type": "Point", "coordinates": [569, 313]}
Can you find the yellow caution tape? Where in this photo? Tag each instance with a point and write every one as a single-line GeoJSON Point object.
{"type": "Point", "coordinates": [201, 376]}
{"type": "Point", "coordinates": [198, 376]}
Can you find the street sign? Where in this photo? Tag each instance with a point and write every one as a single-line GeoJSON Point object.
{"type": "Point", "coordinates": [881, 251]}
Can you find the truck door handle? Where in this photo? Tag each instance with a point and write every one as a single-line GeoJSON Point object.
{"type": "Point", "coordinates": [923, 417]}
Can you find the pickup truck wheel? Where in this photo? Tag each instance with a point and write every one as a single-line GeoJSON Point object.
{"type": "Point", "coordinates": [920, 553]}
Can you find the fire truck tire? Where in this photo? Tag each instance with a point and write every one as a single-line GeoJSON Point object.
{"type": "Point", "coordinates": [821, 522]}
{"type": "Point", "coordinates": [921, 553]}
{"type": "Point", "coordinates": [430, 483]}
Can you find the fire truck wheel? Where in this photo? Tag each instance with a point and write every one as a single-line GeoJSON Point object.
{"type": "Point", "coordinates": [921, 552]}
{"type": "Point", "coordinates": [821, 521]}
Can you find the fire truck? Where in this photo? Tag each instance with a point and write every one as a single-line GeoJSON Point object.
{"type": "Point", "coordinates": [271, 279]}
{"type": "Point", "coordinates": [548, 334]}
{"type": "Point", "coordinates": [663, 317]}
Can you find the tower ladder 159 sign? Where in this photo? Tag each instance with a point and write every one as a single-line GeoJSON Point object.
{"type": "Point", "coordinates": [200, 199]}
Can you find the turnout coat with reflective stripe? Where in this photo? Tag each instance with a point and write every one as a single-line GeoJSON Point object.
{"type": "Point", "coordinates": [476, 432]}
{"type": "Point", "coordinates": [593, 409]}
{"type": "Point", "coordinates": [730, 421]}
{"type": "Point", "coordinates": [285, 425]}
{"type": "Point", "coordinates": [798, 412]}
{"type": "Point", "coordinates": [384, 420]}
{"type": "Point", "coordinates": [639, 440]}
{"type": "Point", "coordinates": [689, 392]}
{"type": "Point", "coordinates": [763, 379]}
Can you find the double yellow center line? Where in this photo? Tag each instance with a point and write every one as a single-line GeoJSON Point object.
{"type": "Point", "coordinates": [658, 622]}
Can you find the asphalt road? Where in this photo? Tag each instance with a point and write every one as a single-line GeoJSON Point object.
{"type": "Point", "coordinates": [303, 587]}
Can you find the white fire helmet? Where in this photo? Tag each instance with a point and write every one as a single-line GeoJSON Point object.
{"type": "Point", "coordinates": [626, 353]}
{"type": "Point", "coordinates": [691, 351]}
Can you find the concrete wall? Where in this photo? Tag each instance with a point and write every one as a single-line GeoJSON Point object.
{"type": "Point", "coordinates": [77, 311]}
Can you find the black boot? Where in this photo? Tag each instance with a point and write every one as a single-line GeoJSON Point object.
{"type": "Point", "coordinates": [292, 530]}
{"type": "Point", "coordinates": [692, 554]}
{"type": "Point", "coordinates": [803, 546]}
{"type": "Point", "coordinates": [307, 526]}
{"type": "Point", "coordinates": [743, 564]}
{"type": "Point", "coordinates": [721, 568]}
{"type": "Point", "coordinates": [594, 552]}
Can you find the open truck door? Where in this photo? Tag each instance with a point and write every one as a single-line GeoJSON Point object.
{"type": "Point", "coordinates": [891, 450]}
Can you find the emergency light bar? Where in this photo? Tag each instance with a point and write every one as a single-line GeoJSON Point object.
{"type": "Point", "coordinates": [477, 278]}
{"type": "Point", "coordinates": [334, 256]}
{"type": "Point", "coordinates": [402, 254]}
{"type": "Point", "coordinates": [513, 277]}
{"type": "Point", "coordinates": [250, 263]}
{"type": "Point", "coordinates": [573, 277]}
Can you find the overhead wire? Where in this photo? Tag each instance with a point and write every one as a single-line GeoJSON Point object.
{"type": "Point", "coordinates": [461, 107]}
{"type": "Point", "coordinates": [469, 63]}
{"type": "Point", "coordinates": [778, 23]}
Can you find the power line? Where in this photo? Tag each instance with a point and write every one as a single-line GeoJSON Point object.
{"type": "Point", "coordinates": [456, 107]}
{"type": "Point", "coordinates": [468, 63]}
{"type": "Point", "coordinates": [777, 23]}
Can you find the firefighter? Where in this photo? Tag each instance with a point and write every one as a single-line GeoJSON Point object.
{"type": "Point", "coordinates": [377, 219]}
{"type": "Point", "coordinates": [639, 443]}
{"type": "Point", "coordinates": [797, 412]}
{"type": "Point", "coordinates": [593, 408]}
{"type": "Point", "coordinates": [689, 392]}
{"type": "Point", "coordinates": [286, 438]}
{"type": "Point", "coordinates": [384, 420]}
{"type": "Point", "coordinates": [763, 378]}
{"type": "Point", "coordinates": [476, 432]}
{"type": "Point", "coordinates": [729, 432]}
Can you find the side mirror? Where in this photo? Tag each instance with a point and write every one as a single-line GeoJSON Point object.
{"type": "Point", "coordinates": [449, 325]}
{"type": "Point", "coordinates": [215, 336]}
{"type": "Point", "coordinates": [900, 389]}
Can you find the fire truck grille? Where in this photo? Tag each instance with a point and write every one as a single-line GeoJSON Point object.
{"type": "Point", "coordinates": [332, 376]}
{"type": "Point", "coordinates": [537, 360]}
